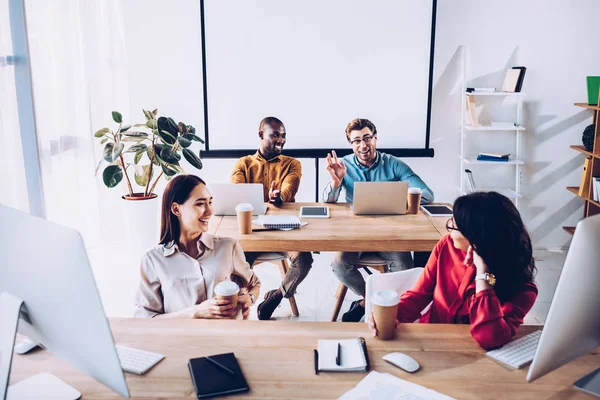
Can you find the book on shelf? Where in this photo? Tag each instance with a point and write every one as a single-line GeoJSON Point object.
{"type": "Point", "coordinates": [596, 188]}
{"type": "Point", "coordinates": [493, 157]}
{"type": "Point", "coordinates": [471, 112]}
{"type": "Point", "coordinates": [502, 124]}
{"type": "Point", "coordinates": [510, 80]}
{"type": "Point", "coordinates": [481, 90]}
{"type": "Point", "coordinates": [521, 78]}
{"type": "Point", "coordinates": [470, 183]}
{"type": "Point", "coordinates": [584, 185]}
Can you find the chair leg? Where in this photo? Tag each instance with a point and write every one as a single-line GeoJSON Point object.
{"type": "Point", "coordinates": [340, 296]}
{"type": "Point", "coordinates": [283, 268]}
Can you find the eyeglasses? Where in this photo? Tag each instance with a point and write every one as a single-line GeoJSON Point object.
{"type": "Point", "coordinates": [367, 139]}
{"type": "Point", "coordinates": [450, 225]}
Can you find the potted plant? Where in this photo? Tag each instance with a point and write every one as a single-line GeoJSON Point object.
{"type": "Point", "coordinates": [147, 152]}
{"type": "Point", "coordinates": [160, 140]}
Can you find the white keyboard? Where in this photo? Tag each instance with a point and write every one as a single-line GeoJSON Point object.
{"type": "Point", "coordinates": [517, 353]}
{"type": "Point", "coordinates": [137, 361]}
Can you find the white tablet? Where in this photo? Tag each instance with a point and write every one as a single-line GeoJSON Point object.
{"type": "Point", "coordinates": [314, 212]}
{"type": "Point", "coordinates": [437, 210]}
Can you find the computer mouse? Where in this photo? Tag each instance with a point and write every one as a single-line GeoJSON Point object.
{"type": "Point", "coordinates": [402, 361]}
{"type": "Point", "coordinates": [25, 346]}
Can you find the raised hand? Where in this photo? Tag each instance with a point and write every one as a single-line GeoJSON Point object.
{"type": "Point", "coordinates": [336, 169]}
{"type": "Point", "coordinates": [274, 194]}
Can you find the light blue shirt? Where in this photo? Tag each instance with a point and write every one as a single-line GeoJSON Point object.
{"type": "Point", "coordinates": [386, 168]}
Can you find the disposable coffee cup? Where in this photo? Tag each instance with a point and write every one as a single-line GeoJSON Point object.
{"type": "Point", "coordinates": [227, 290]}
{"type": "Point", "coordinates": [385, 311]}
{"type": "Point", "coordinates": [414, 200]}
{"type": "Point", "coordinates": [244, 217]}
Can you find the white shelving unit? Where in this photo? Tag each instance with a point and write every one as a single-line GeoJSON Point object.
{"type": "Point", "coordinates": [514, 160]}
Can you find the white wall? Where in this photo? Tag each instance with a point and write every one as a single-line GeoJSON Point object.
{"type": "Point", "coordinates": [554, 39]}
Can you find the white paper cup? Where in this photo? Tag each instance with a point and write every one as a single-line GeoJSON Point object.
{"type": "Point", "coordinates": [385, 310]}
{"type": "Point", "coordinates": [227, 290]}
{"type": "Point", "coordinates": [244, 217]}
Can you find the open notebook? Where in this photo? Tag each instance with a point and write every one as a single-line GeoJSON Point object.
{"type": "Point", "coordinates": [353, 355]}
{"type": "Point", "coordinates": [284, 222]}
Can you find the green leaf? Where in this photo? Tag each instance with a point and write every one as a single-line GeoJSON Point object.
{"type": "Point", "coordinates": [138, 125]}
{"type": "Point", "coordinates": [151, 123]}
{"type": "Point", "coordinates": [191, 129]}
{"type": "Point", "coordinates": [112, 151]}
{"type": "Point", "coordinates": [141, 175]}
{"type": "Point", "coordinates": [185, 143]}
{"type": "Point", "coordinates": [167, 137]}
{"type": "Point", "coordinates": [169, 156]}
{"type": "Point", "coordinates": [148, 114]}
{"type": "Point", "coordinates": [112, 175]}
{"type": "Point", "coordinates": [101, 132]}
{"type": "Point", "coordinates": [130, 139]}
{"type": "Point", "coordinates": [191, 136]}
{"type": "Point", "coordinates": [104, 140]}
{"type": "Point", "coordinates": [138, 156]}
{"type": "Point", "coordinates": [125, 128]}
{"type": "Point", "coordinates": [117, 117]}
{"type": "Point", "coordinates": [192, 158]}
{"type": "Point", "coordinates": [136, 134]}
{"type": "Point", "coordinates": [136, 148]}
{"type": "Point", "coordinates": [168, 170]}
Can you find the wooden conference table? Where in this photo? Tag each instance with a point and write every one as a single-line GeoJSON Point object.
{"type": "Point", "coordinates": [277, 360]}
{"type": "Point", "coordinates": [344, 231]}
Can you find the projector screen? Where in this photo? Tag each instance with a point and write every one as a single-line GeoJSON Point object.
{"type": "Point", "coordinates": [316, 65]}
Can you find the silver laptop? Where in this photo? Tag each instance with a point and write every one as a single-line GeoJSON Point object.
{"type": "Point", "coordinates": [228, 195]}
{"type": "Point", "coordinates": [380, 198]}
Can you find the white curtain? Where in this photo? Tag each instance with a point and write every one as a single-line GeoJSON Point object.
{"type": "Point", "coordinates": [79, 76]}
{"type": "Point", "coordinates": [13, 187]}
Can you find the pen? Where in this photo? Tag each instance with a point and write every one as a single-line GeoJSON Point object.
{"type": "Point", "coordinates": [316, 362]}
{"type": "Point", "coordinates": [338, 358]}
{"type": "Point", "coordinates": [264, 229]}
{"type": "Point", "coordinates": [221, 366]}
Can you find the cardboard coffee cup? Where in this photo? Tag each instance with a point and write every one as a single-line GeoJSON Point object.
{"type": "Point", "coordinates": [385, 310]}
{"type": "Point", "coordinates": [414, 200]}
{"type": "Point", "coordinates": [227, 290]}
{"type": "Point", "coordinates": [244, 217]}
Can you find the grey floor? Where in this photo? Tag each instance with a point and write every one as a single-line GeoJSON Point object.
{"type": "Point", "coordinates": [316, 295]}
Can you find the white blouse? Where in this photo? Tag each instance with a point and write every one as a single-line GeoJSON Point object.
{"type": "Point", "coordinates": [171, 280]}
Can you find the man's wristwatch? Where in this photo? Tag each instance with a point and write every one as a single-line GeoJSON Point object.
{"type": "Point", "coordinates": [252, 298]}
{"type": "Point", "coordinates": [486, 276]}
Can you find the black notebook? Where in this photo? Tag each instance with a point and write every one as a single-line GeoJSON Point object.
{"type": "Point", "coordinates": [211, 380]}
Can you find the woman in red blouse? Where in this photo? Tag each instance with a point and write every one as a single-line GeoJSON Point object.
{"type": "Point", "coordinates": [481, 273]}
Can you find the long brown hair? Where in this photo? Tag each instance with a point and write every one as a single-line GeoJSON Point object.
{"type": "Point", "coordinates": [178, 191]}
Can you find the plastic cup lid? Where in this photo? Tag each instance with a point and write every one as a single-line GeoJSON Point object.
{"type": "Point", "coordinates": [414, 190]}
{"type": "Point", "coordinates": [386, 298]}
{"type": "Point", "coordinates": [244, 207]}
{"type": "Point", "coordinates": [227, 288]}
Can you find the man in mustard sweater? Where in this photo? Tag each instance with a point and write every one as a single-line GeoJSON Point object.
{"type": "Point", "coordinates": [280, 177]}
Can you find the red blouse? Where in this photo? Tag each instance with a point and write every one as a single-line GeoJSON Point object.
{"type": "Point", "coordinates": [449, 285]}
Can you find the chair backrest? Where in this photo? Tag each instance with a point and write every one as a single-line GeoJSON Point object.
{"type": "Point", "coordinates": [400, 281]}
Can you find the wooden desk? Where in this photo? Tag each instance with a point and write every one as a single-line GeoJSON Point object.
{"type": "Point", "coordinates": [344, 231]}
{"type": "Point", "coordinates": [277, 360]}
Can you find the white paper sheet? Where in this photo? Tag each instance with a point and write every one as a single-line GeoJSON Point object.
{"type": "Point", "coordinates": [379, 386]}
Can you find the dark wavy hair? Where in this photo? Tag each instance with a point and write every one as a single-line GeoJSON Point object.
{"type": "Point", "coordinates": [178, 191]}
{"type": "Point", "coordinates": [493, 226]}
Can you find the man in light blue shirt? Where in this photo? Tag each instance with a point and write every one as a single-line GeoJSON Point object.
{"type": "Point", "coordinates": [366, 164]}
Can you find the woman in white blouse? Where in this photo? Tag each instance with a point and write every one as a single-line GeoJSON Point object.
{"type": "Point", "coordinates": [178, 277]}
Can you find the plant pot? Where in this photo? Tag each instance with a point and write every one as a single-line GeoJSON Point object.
{"type": "Point", "coordinates": [142, 218]}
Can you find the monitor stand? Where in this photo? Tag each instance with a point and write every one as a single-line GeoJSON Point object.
{"type": "Point", "coordinates": [39, 386]}
{"type": "Point", "coordinates": [590, 383]}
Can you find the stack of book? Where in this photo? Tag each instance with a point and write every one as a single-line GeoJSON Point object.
{"type": "Point", "coordinates": [493, 157]}
{"type": "Point", "coordinates": [596, 188]}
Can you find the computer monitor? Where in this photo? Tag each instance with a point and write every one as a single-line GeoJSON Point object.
{"type": "Point", "coordinates": [45, 266]}
{"type": "Point", "coordinates": [572, 327]}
